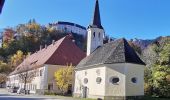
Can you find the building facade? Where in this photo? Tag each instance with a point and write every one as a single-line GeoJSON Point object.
{"type": "Point", "coordinates": [111, 71]}
{"type": "Point", "coordinates": [68, 27]}
{"type": "Point", "coordinates": [44, 63]}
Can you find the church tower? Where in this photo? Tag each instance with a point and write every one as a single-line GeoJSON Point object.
{"type": "Point", "coordinates": [95, 31]}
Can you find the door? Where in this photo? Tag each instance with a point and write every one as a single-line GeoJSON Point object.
{"type": "Point", "coordinates": [85, 92]}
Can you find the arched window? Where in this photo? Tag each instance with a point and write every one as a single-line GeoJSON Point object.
{"type": "Point", "coordinates": [94, 34]}
{"type": "Point", "coordinates": [99, 35]}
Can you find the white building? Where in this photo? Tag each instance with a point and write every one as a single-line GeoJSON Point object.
{"type": "Point", "coordinates": [69, 27]}
{"type": "Point", "coordinates": [44, 63]}
{"type": "Point", "coordinates": [112, 71]}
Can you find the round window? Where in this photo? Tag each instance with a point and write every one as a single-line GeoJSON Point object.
{"type": "Point", "coordinates": [85, 80]}
{"type": "Point", "coordinates": [98, 80]}
{"type": "Point", "coordinates": [134, 80]}
{"type": "Point", "coordinates": [114, 80]}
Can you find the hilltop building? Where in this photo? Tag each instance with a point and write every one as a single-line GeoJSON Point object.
{"type": "Point", "coordinates": [45, 62]}
{"type": "Point", "coordinates": [69, 27]}
{"type": "Point", "coordinates": [112, 71]}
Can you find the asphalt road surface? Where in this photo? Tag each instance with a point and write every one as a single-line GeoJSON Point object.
{"type": "Point", "coordinates": [4, 95]}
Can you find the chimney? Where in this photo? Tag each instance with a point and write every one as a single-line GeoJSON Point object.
{"type": "Point", "coordinates": [40, 47]}
{"type": "Point", "coordinates": [53, 42]}
{"type": "Point", "coordinates": [45, 46]}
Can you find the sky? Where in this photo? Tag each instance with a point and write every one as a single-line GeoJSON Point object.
{"type": "Point", "coordinates": [142, 19]}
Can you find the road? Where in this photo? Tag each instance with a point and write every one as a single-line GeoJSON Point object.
{"type": "Point", "coordinates": [4, 95]}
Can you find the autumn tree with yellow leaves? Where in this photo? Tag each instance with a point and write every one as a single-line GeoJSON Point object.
{"type": "Point", "coordinates": [64, 78]}
{"type": "Point", "coordinates": [17, 58]}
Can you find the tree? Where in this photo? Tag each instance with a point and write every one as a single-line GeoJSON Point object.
{"type": "Point", "coordinates": [17, 58]}
{"type": "Point", "coordinates": [3, 78]}
{"type": "Point", "coordinates": [4, 68]}
{"type": "Point", "coordinates": [157, 78]}
{"type": "Point", "coordinates": [161, 72]}
{"type": "Point", "coordinates": [64, 78]}
{"type": "Point", "coordinates": [26, 75]}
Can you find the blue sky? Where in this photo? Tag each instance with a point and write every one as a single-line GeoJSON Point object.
{"type": "Point", "coordinates": [144, 19]}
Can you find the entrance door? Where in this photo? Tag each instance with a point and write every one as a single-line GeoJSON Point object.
{"type": "Point", "coordinates": [85, 92]}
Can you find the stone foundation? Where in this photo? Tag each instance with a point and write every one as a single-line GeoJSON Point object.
{"type": "Point", "coordinates": [77, 95]}
{"type": "Point", "coordinates": [123, 97]}
{"type": "Point", "coordinates": [111, 97]}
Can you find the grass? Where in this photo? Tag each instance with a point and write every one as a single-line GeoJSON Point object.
{"type": "Point", "coordinates": [72, 98]}
{"type": "Point", "coordinates": [152, 98]}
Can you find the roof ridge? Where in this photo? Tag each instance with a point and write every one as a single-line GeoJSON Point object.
{"type": "Point", "coordinates": [56, 49]}
{"type": "Point", "coordinates": [124, 46]}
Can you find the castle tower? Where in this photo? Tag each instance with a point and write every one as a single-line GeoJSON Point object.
{"type": "Point", "coordinates": [95, 31]}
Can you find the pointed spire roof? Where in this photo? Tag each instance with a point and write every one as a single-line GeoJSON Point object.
{"type": "Point", "coordinates": [1, 5]}
{"type": "Point", "coordinates": [96, 22]}
{"type": "Point", "coordinates": [118, 51]}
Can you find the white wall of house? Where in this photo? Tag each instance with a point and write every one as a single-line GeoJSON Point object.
{"type": "Point", "coordinates": [36, 83]}
{"type": "Point", "coordinates": [43, 81]}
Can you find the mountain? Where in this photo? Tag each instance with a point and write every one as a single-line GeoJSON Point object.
{"type": "Point", "coordinates": [143, 43]}
{"type": "Point", "coordinates": [150, 53]}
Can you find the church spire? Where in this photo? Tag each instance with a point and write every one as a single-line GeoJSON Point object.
{"type": "Point", "coordinates": [96, 22]}
{"type": "Point", "coordinates": [95, 31]}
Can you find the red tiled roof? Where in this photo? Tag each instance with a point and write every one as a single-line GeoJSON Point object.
{"type": "Point", "coordinates": [62, 52]}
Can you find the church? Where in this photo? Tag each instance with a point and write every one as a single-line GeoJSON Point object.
{"type": "Point", "coordinates": [111, 71]}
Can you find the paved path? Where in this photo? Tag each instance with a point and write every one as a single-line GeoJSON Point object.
{"type": "Point", "coordinates": [4, 95]}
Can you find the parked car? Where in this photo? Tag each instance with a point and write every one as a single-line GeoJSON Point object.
{"type": "Point", "coordinates": [13, 89]}
{"type": "Point", "coordinates": [20, 90]}
{"type": "Point", "coordinates": [8, 87]}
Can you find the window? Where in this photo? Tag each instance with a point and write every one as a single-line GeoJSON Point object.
{"type": "Point", "coordinates": [134, 80]}
{"type": "Point", "coordinates": [94, 34]}
{"type": "Point", "coordinates": [50, 86]}
{"type": "Point", "coordinates": [98, 80]}
{"type": "Point", "coordinates": [114, 80]}
{"type": "Point", "coordinates": [99, 35]}
{"type": "Point", "coordinates": [85, 80]}
{"type": "Point", "coordinates": [41, 71]}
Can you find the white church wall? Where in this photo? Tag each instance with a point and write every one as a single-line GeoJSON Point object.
{"type": "Point", "coordinates": [94, 89]}
{"type": "Point", "coordinates": [116, 89]}
{"type": "Point", "coordinates": [94, 42]}
{"type": "Point", "coordinates": [136, 88]}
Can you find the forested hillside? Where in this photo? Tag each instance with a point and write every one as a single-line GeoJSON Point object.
{"type": "Point", "coordinates": [24, 39]}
